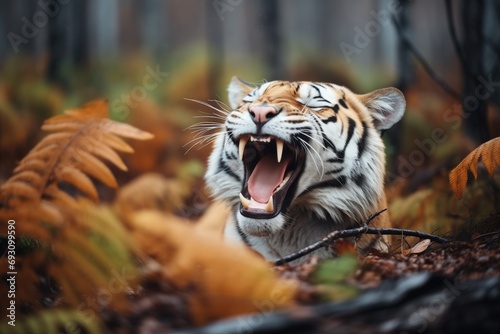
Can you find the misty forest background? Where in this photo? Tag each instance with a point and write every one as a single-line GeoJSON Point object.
{"type": "Point", "coordinates": [83, 50]}
{"type": "Point", "coordinates": [151, 58]}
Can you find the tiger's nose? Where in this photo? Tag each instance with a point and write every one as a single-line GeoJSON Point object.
{"type": "Point", "coordinates": [262, 114]}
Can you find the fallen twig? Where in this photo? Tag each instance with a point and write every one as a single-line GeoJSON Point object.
{"type": "Point", "coordinates": [355, 232]}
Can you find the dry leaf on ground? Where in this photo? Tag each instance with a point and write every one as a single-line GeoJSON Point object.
{"type": "Point", "coordinates": [418, 248]}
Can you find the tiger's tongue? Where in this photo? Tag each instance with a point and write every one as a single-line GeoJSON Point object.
{"type": "Point", "coordinates": [266, 176]}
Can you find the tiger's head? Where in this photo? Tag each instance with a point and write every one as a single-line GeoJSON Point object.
{"type": "Point", "coordinates": [301, 149]}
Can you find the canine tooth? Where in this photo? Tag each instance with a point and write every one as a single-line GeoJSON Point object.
{"type": "Point", "coordinates": [269, 205]}
{"type": "Point", "coordinates": [245, 202]}
{"type": "Point", "coordinates": [279, 149]}
{"type": "Point", "coordinates": [285, 180]}
{"type": "Point", "coordinates": [241, 148]}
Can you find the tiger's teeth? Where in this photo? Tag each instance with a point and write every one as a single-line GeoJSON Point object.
{"type": "Point", "coordinates": [245, 202]}
{"type": "Point", "coordinates": [269, 205]}
{"type": "Point", "coordinates": [241, 148]}
{"type": "Point", "coordinates": [279, 149]}
{"type": "Point", "coordinates": [261, 139]}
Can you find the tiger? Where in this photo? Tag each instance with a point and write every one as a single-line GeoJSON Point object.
{"type": "Point", "coordinates": [298, 160]}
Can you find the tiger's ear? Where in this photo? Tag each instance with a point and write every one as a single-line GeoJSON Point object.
{"type": "Point", "coordinates": [387, 106]}
{"type": "Point", "coordinates": [237, 90]}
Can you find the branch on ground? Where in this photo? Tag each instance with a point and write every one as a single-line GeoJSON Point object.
{"type": "Point", "coordinates": [357, 232]}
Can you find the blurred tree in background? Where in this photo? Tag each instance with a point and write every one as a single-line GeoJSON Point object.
{"type": "Point", "coordinates": [151, 59]}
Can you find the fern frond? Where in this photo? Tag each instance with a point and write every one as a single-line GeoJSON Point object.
{"type": "Point", "coordinates": [88, 244]}
{"type": "Point", "coordinates": [90, 253]}
{"type": "Point", "coordinates": [488, 152]}
{"type": "Point", "coordinates": [88, 249]}
{"type": "Point", "coordinates": [72, 153]}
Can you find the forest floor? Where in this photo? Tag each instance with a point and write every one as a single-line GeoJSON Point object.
{"type": "Point", "coordinates": [441, 288]}
{"type": "Point", "coordinates": [447, 288]}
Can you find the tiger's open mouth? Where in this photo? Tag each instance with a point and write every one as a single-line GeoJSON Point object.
{"type": "Point", "coordinates": [272, 166]}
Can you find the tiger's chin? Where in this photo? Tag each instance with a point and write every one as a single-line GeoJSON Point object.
{"type": "Point", "coordinates": [260, 227]}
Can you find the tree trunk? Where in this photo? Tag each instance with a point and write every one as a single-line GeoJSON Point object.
{"type": "Point", "coordinates": [57, 44]}
{"type": "Point", "coordinates": [405, 68]}
{"type": "Point", "coordinates": [215, 38]}
{"type": "Point", "coordinates": [151, 31]}
{"type": "Point", "coordinates": [492, 52]}
{"type": "Point", "coordinates": [474, 107]}
{"type": "Point", "coordinates": [270, 22]}
{"type": "Point", "coordinates": [4, 43]}
{"type": "Point", "coordinates": [80, 40]}
{"type": "Point", "coordinates": [405, 77]}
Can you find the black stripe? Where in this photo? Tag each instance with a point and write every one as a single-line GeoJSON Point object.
{"type": "Point", "coordinates": [336, 108]}
{"type": "Point", "coordinates": [320, 97]}
{"type": "Point", "coordinates": [297, 87]}
{"type": "Point", "coordinates": [335, 171]}
{"type": "Point", "coordinates": [359, 179]}
{"type": "Point", "coordinates": [301, 136]}
{"type": "Point", "coordinates": [226, 169]}
{"type": "Point", "coordinates": [333, 183]}
{"type": "Point", "coordinates": [337, 160]}
{"type": "Point", "coordinates": [318, 124]}
{"type": "Point", "coordinates": [316, 89]}
{"type": "Point", "coordinates": [362, 141]}
{"type": "Point", "coordinates": [332, 119]}
{"type": "Point", "coordinates": [326, 141]}
{"type": "Point", "coordinates": [294, 121]}
{"type": "Point", "coordinates": [350, 131]}
{"type": "Point", "coordinates": [343, 104]}
{"type": "Point", "coordinates": [232, 123]}
{"type": "Point", "coordinates": [230, 135]}
{"type": "Point", "coordinates": [223, 167]}
{"type": "Point", "coordinates": [240, 231]}
{"type": "Point", "coordinates": [300, 128]}
{"type": "Point", "coordinates": [343, 218]}
{"type": "Point", "coordinates": [316, 121]}
{"type": "Point", "coordinates": [296, 113]}
{"type": "Point", "coordinates": [231, 156]}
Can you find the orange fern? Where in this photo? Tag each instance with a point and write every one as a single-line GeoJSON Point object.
{"type": "Point", "coordinates": [71, 154]}
{"type": "Point", "coordinates": [87, 243]}
{"type": "Point", "coordinates": [488, 152]}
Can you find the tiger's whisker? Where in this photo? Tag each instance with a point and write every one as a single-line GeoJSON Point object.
{"type": "Point", "coordinates": [224, 112]}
